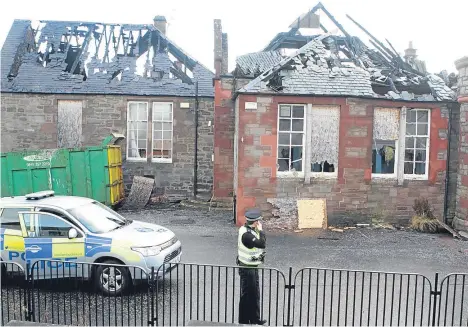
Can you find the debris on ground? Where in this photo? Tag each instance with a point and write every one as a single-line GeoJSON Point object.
{"type": "Point", "coordinates": [386, 226]}
{"type": "Point", "coordinates": [464, 234]}
{"type": "Point", "coordinates": [362, 225]}
{"type": "Point", "coordinates": [339, 230]}
{"type": "Point", "coordinates": [298, 231]}
{"type": "Point", "coordinates": [140, 193]}
{"type": "Point", "coordinates": [346, 228]}
{"type": "Point", "coordinates": [329, 238]}
{"type": "Point", "coordinates": [460, 235]}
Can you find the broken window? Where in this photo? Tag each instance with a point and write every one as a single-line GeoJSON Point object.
{"type": "Point", "coordinates": [69, 123]}
{"type": "Point", "coordinates": [417, 142]}
{"type": "Point", "coordinates": [385, 141]}
{"type": "Point", "coordinates": [137, 130]}
{"type": "Point", "coordinates": [162, 131]}
{"type": "Point", "coordinates": [324, 137]}
{"type": "Point", "coordinates": [290, 137]}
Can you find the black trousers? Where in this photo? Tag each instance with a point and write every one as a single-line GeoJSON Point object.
{"type": "Point", "coordinates": [249, 304]}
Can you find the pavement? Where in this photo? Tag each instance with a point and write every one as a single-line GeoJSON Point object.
{"type": "Point", "coordinates": [211, 238]}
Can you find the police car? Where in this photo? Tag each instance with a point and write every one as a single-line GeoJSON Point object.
{"type": "Point", "coordinates": [41, 227]}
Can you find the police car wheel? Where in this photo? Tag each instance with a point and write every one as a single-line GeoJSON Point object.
{"type": "Point", "coordinates": [4, 273]}
{"type": "Point", "coordinates": [112, 280]}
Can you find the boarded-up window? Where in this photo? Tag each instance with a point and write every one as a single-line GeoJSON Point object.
{"type": "Point", "coordinates": [386, 131]}
{"type": "Point", "coordinates": [325, 138]}
{"type": "Point", "coordinates": [69, 123]}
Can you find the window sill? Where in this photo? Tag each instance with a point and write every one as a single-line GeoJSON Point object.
{"type": "Point", "coordinates": [416, 177]}
{"type": "Point", "coordinates": [324, 176]}
{"type": "Point", "coordinates": [136, 159]}
{"type": "Point", "coordinates": [159, 160]}
{"type": "Point", "coordinates": [290, 175]}
{"type": "Point", "coordinates": [384, 176]}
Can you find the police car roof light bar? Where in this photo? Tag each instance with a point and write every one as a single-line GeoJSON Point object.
{"type": "Point", "coordinates": [39, 195]}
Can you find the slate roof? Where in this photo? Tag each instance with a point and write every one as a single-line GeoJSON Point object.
{"type": "Point", "coordinates": [306, 72]}
{"type": "Point", "coordinates": [42, 62]}
{"type": "Point", "coordinates": [257, 62]}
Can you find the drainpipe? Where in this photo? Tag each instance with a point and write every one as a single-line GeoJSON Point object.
{"type": "Point", "coordinates": [195, 156]}
{"type": "Point", "coordinates": [447, 171]}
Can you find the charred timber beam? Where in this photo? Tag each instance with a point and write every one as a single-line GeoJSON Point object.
{"type": "Point", "coordinates": [391, 46]}
{"type": "Point", "coordinates": [99, 43]}
{"type": "Point", "coordinates": [84, 48]}
{"type": "Point", "coordinates": [341, 28]}
{"type": "Point", "coordinates": [118, 41]}
{"type": "Point", "coordinates": [323, 28]}
{"type": "Point", "coordinates": [388, 51]}
{"type": "Point", "coordinates": [386, 55]}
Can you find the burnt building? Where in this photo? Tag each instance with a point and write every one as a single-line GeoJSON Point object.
{"type": "Point", "coordinates": [330, 124]}
{"type": "Point", "coordinates": [70, 84]}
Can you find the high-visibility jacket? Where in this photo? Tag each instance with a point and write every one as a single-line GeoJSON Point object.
{"type": "Point", "coordinates": [250, 257]}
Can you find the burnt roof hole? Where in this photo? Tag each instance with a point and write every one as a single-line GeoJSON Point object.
{"type": "Point", "coordinates": [304, 60]}
{"type": "Point", "coordinates": [117, 75]}
{"type": "Point", "coordinates": [276, 83]}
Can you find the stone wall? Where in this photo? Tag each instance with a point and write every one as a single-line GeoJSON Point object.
{"type": "Point", "coordinates": [29, 121]}
{"type": "Point", "coordinates": [353, 195]}
{"type": "Point", "coordinates": [461, 219]}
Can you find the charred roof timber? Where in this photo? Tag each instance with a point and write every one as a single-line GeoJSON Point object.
{"type": "Point", "coordinates": [99, 58]}
{"type": "Point", "coordinates": [326, 64]}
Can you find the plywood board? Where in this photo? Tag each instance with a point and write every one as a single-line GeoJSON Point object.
{"type": "Point", "coordinates": [312, 213]}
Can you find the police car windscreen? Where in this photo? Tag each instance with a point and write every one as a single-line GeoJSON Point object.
{"type": "Point", "coordinates": [98, 218]}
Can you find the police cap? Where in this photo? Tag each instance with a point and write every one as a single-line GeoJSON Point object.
{"type": "Point", "coordinates": [253, 215]}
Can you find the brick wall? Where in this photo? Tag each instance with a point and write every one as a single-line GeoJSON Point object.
{"type": "Point", "coordinates": [223, 139]}
{"type": "Point", "coordinates": [353, 196]}
{"type": "Point", "coordinates": [461, 217]}
{"type": "Point", "coordinates": [29, 121]}
{"type": "Point", "coordinates": [224, 127]}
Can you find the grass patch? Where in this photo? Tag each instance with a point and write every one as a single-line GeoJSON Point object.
{"type": "Point", "coordinates": [424, 219]}
{"type": "Point", "coordinates": [425, 224]}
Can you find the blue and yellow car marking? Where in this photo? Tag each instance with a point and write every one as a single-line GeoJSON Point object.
{"type": "Point", "coordinates": [96, 244]}
{"type": "Point", "coordinates": [11, 240]}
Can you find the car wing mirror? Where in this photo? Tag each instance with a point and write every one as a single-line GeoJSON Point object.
{"type": "Point", "coordinates": [72, 233]}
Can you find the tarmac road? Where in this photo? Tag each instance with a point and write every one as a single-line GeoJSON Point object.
{"type": "Point", "coordinates": [211, 238]}
{"type": "Point", "coordinates": [195, 292]}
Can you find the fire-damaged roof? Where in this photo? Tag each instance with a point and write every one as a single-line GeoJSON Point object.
{"type": "Point", "coordinates": [95, 58]}
{"type": "Point", "coordinates": [341, 65]}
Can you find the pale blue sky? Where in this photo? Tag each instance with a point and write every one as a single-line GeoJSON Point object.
{"type": "Point", "coordinates": [438, 30]}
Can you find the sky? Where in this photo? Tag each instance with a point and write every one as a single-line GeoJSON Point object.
{"type": "Point", "coordinates": [438, 31]}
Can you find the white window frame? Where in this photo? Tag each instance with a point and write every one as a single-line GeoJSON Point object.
{"type": "Point", "coordinates": [162, 160]}
{"type": "Point", "coordinates": [128, 129]}
{"type": "Point", "coordinates": [395, 168]}
{"type": "Point", "coordinates": [428, 146]}
{"type": "Point", "coordinates": [292, 174]}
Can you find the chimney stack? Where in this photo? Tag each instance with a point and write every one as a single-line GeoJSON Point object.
{"type": "Point", "coordinates": [160, 23]}
{"type": "Point", "coordinates": [220, 49]}
{"type": "Point", "coordinates": [224, 62]}
{"type": "Point", "coordinates": [410, 53]}
{"type": "Point", "coordinates": [218, 46]}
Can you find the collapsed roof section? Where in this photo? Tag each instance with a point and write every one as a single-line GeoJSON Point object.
{"type": "Point", "coordinates": [308, 72]}
{"type": "Point", "coordinates": [342, 65]}
{"type": "Point", "coordinates": [96, 58]}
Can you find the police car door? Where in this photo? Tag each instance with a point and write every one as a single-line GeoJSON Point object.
{"type": "Point", "coordinates": [11, 237]}
{"type": "Point", "coordinates": [50, 237]}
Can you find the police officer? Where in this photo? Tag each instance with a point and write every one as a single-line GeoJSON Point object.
{"type": "Point", "coordinates": [251, 253]}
